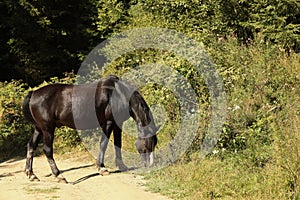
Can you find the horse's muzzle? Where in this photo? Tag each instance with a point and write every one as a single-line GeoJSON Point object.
{"type": "Point", "coordinates": [147, 159]}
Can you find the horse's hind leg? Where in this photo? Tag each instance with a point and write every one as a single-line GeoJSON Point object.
{"type": "Point", "coordinates": [31, 147]}
{"type": "Point", "coordinates": [103, 146]}
{"type": "Point", "coordinates": [48, 150]}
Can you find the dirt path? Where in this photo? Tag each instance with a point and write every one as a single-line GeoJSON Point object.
{"type": "Point", "coordinates": [88, 184]}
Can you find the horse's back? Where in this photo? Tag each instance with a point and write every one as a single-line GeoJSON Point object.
{"type": "Point", "coordinates": [77, 106]}
{"type": "Point", "coordinates": [50, 94]}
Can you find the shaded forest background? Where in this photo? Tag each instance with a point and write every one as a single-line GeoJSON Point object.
{"type": "Point", "coordinates": [254, 44]}
{"type": "Point", "coordinates": [42, 39]}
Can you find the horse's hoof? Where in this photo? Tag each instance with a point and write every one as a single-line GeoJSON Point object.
{"type": "Point", "coordinates": [61, 179]}
{"type": "Point", "coordinates": [104, 172]}
{"type": "Point", "coordinates": [33, 177]}
{"type": "Point", "coordinates": [123, 168]}
{"type": "Point", "coordinates": [28, 173]}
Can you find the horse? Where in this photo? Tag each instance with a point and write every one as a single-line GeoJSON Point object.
{"type": "Point", "coordinates": [105, 103]}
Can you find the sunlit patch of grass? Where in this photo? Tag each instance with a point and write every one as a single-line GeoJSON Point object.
{"type": "Point", "coordinates": [212, 178]}
{"type": "Point", "coordinates": [37, 190]}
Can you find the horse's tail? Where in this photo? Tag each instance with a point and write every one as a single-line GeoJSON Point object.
{"type": "Point", "coordinates": [26, 110]}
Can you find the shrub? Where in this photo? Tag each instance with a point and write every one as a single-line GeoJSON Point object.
{"type": "Point", "coordinates": [258, 152]}
{"type": "Point", "coordinates": [14, 131]}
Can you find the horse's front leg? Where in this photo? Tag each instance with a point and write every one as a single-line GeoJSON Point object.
{"type": "Point", "coordinates": [48, 150]}
{"type": "Point", "coordinates": [118, 146]}
{"type": "Point", "coordinates": [31, 147]}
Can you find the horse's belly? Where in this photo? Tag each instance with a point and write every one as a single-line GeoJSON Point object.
{"type": "Point", "coordinates": [83, 123]}
{"type": "Point", "coordinates": [80, 119]}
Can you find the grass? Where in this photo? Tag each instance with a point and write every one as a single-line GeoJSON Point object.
{"type": "Point", "coordinates": [44, 193]}
{"type": "Point", "coordinates": [215, 179]}
{"type": "Point", "coordinates": [262, 156]}
{"type": "Point", "coordinates": [35, 189]}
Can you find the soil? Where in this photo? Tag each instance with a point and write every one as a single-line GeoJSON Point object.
{"type": "Point", "coordinates": [84, 181]}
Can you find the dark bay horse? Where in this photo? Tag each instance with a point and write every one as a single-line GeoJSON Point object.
{"type": "Point", "coordinates": [106, 103]}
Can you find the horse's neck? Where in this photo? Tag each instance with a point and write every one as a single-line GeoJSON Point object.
{"type": "Point", "coordinates": [140, 111]}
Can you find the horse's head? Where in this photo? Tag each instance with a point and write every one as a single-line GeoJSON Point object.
{"type": "Point", "coordinates": [146, 143]}
{"type": "Point", "coordinates": [147, 139]}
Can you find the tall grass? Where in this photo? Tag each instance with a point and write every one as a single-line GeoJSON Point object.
{"type": "Point", "coordinates": [258, 154]}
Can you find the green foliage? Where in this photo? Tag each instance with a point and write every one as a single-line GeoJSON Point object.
{"type": "Point", "coordinates": [258, 152]}
{"type": "Point", "coordinates": [14, 132]}
{"type": "Point", "coordinates": [278, 21]}
{"type": "Point", "coordinates": [40, 40]}
{"type": "Point", "coordinates": [45, 39]}
{"type": "Point", "coordinates": [252, 95]}
{"type": "Point", "coordinates": [110, 16]}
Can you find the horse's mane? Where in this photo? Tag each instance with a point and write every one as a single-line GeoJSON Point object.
{"type": "Point", "coordinates": [139, 109]}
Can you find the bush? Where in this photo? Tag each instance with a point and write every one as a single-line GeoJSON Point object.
{"type": "Point", "coordinates": [257, 79]}
{"type": "Point", "coordinates": [258, 152]}
{"type": "Point", "coordinates": [14, 131]}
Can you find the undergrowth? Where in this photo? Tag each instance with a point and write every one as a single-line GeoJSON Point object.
{"type": "Point", "coordinates": [258, 152]}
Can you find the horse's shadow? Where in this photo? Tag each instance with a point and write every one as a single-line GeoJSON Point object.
{"type": "Point", "coordinates": [97, 174]}
{"type": "Point", "coordinates": [84, 178]}
{"type": "Point", "coordinates": [75, 168]}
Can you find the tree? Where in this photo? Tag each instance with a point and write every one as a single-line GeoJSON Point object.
{"type": "Point", "coordinates": [277, 20]}
{"type": "Point", "coordinates": [41, 39]}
